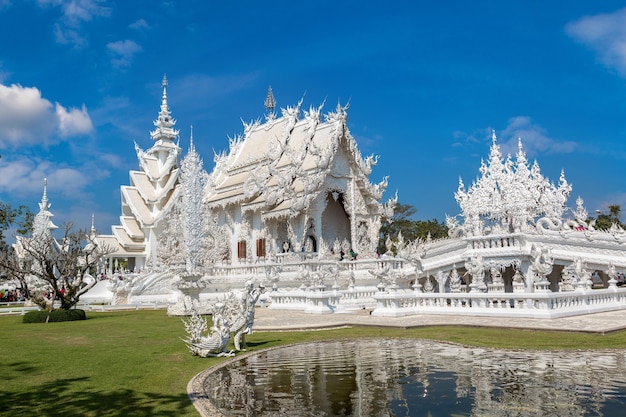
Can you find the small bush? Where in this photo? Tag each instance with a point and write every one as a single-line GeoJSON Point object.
{"type": "Point", "coordinates": [55, 316]}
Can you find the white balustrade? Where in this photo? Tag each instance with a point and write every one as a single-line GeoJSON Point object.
{"type": "Point", "coordinates": [532, 305]}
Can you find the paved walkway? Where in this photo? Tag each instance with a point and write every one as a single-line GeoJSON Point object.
{"type": "Point", "coordinates": [283, 320]}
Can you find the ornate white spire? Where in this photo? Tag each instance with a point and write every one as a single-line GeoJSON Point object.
{"type": "Point", "coordinates": [191, 147]}
{"type": "Point", "coordinates": [270, 104]}
{"type": "Point", "coordinates": [44, 205]}
{"type": "Point", "coordinates": [192, 181]}
{"type": "Point", "coordinates": [164, 122]}
{"type": "Point", "coordinates": [42, 223]}
{"type": "Point", "coordinates": [509, 196]}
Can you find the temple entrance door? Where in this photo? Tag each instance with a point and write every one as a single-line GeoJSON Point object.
{"type": "Point", "coordinates": [335, 219]}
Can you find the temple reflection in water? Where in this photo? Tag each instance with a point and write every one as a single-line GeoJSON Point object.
{"type": "Point", "coordinates": [403, 377]}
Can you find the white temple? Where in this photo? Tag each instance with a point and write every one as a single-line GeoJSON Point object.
{"type": "Point", "coordinates": [290, 205]}
{"type": "Point", "coordinates": [290, 189]}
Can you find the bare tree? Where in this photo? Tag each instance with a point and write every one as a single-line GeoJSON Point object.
{"type": "Point", "coordinates": [61, 268]}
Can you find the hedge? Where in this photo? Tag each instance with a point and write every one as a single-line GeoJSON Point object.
{"type": "Point", "coordinates": [55, 316]}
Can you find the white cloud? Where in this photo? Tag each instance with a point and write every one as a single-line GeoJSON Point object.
{"type": "Point", "coordinates": [74, 14]}
{"type": "Point", "coordinates": [20, 177]}
{"type": "Point", "coordinates": [26, 118]}
{"type": "Point", "coordinates": [74, 121]}
{"type": "Point", "coordinates": [140, 24]}
{"type": "Point", "coordinates": [605, 34]}
{"type": "Point", "coordinates": [534, 138]}
{"type": "Point", "coordinates": [123, 52]}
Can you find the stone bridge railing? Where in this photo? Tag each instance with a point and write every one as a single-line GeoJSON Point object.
{"type": "Point", "coordinates": [531, 305]}
{"type": "Point", "coordinates": [321, 301]}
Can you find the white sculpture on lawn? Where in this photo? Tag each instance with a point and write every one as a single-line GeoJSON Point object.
{"type": "Point", "coordinates": [233, 314]}
{"type": "Point", "coordinates": [215, 343]}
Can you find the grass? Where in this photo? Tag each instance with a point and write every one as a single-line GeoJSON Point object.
{"type": "Point", "coordinates": [134, 364]}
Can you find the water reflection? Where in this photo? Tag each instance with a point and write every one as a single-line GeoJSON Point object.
{"type": "Point", "coordinates": [409, 377]}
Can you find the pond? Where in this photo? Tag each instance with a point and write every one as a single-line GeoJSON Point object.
{"type": "Point", "coordinates": [414, 377]}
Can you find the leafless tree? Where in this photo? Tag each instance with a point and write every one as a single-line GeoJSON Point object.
{"type": "Point", "coordinates": [60, 268]}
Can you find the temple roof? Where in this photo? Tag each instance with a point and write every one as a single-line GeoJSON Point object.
{"type": "Point", "coordinates": [117, 244]}
{"type": "Point", "coordinates": [286, 159]}
{"type": "Point", "coordinates": [132, 227]}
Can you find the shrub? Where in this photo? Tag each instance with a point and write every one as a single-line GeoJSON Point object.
{"type": "Point", "coordinates": [55, 316]}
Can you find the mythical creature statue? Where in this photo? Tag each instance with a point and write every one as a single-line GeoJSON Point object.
{"type": "Point", "coordinates": [475, 267]}
{"type": "Point", "coordinates": [455, 281]}
{"type": "Point", "coordinates": [569, 279]}
{"type": "Point", "coordinates": [518, 278]}
{"type": "Point", "coordinates": [611, 272]}
{"type": "Point", "coordinates": [541, 260]}
{"type": "Point", "coordinates": [240, 311]}
{"type": "Point", "coordinates": [215, 343]}
{"type": "Point", "coordinates": [428, 285]}
{"type": "Point", "coordinates": [581, 271]}
{"type": "Point", "coordinates": [496, 275]}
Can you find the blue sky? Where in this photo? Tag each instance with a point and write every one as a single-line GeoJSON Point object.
{"type": "Point", "coordinates": [426, 82]}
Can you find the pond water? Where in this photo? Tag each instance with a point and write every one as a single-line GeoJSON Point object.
{"type": "Point", "coordinates": [413, 377]}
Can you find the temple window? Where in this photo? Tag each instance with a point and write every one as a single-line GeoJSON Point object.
{"type": "Point", "coordinates": [241, 249]}
{"type": "Point", "coordinates": [260, 248]}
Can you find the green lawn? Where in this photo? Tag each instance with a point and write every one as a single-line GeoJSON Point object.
{"type": "Point", "coordinates": [134, 364]}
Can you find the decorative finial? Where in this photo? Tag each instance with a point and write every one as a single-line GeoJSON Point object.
{"type": "Point", "coordinates": [191, 147]}
{"type": "Point", "coordinates": [164, 122]}
{"type": "Point", "coordinates": [93, 223]}
{"type": "Point", "coordinates": [44, 205]}
{"type": "Point", "coordinates": [270, 103]}
{"type": "Point", "coordinates": [493, 136]}
{"type": "Point", "coordinates": [44, 198]}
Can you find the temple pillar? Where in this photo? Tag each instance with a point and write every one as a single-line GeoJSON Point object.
{"type": "Point", "coordinates": [318, 231]}
{"type": "Point", "coordinates": [353, 225]}
{"type": "Point", "coordinates": [152, 245]}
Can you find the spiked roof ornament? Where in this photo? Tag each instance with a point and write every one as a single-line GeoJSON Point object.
{"type": "Point", "coordinates": [270, 104]}
{"type": "Point", "coordinates": [164, 122]}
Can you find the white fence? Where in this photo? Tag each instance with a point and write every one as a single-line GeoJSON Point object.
{"type": "Point", "coordinates": [530, 305]}
{"type": "Point", "coordinates": [19, 308]}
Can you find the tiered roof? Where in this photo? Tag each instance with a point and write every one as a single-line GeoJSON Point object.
{"type": "Point", "coordinates": [153, 189]}
{"type": "Point", "coordinates": [280, 166]}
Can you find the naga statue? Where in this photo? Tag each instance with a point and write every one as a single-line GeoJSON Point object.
{"type": "Point", "coordinates": [240, 313]}
{"type": "Point", "coordinates": [234, 314]}
{"type": "Point", "coordinates": [215, 343]}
